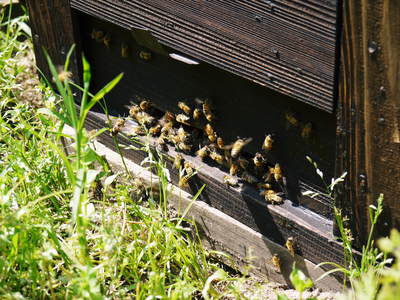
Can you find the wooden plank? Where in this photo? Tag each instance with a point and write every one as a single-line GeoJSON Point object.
{"type": "Point", "coordinates": [368, 125]}
{"type": "Point", "coordinates": [288, 46]}
{"type": "Point", "coordinates": [313, 233]}
{"type": "Point", "coordinates": [52, 24]}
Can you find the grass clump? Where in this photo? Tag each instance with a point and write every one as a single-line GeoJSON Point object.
{"type": "Point", "coordinates": [59, 239]}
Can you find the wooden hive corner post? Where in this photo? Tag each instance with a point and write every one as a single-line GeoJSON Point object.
{"type": "Point", "coordinates": [54, 28]}
{"type": "Point", "coordinates": [369, 113]}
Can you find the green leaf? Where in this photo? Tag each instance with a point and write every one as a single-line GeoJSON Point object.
{"type": "Point", "coordinates": [299, 280]}
{"type": "Point", "coordinates": [282, 297]}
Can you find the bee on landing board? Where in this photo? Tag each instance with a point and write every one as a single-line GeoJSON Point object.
{"type": "Point", "coordinates": [276, 262]}
{"type": "Point", "coordinates": [271, 196]}
{"type": "Point", "coordinates": [290, 246]}
{"type": "Point", "coordinates": [202, 153]}
{"type": "Point", "coordinates": [178, 161]}
{"type": "Point", "coordinates": [182, 118]}
{"type": "Point", "coordinates": [231, 181]}
{"type": "Point", "coordinates": [118, 125]}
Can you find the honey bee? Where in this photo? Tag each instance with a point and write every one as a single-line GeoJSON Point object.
{"type": "Point", "coordinates": [183, 181]}
{"type": "Point", "coordinates": [183, 106]}
{"type": "Point", "coordinates": [233, 169]}
{"type": "Point", "coordinates": [208, 129]}
{"type": "Point", "coordinates": [258, 160]}
{"type": "Point", "coordinates": [145, 105]}
{"type": "Point", "coordinates": [155, 130]}
{"type": "Point", "coordinates": [107, 40]}
{"type": "Point", "coordinates": [184, 119]}
{"type": "Point", "coordinates": [178, 161]}
{"type": "Point", "coordinates": [306, 131]}
{"type": "Point", "coordinates": [138, 130]}
{"type": "Point", "coordinates": [188, 168]}
{"type": "Point", "coordinates": [207, 111]}
{"type": "Point", "coordinates": [97, 35]}
{"type": "Point", "coordinates": [166, 128]}
{"type": "Point", "coordinates": [145, 55]}
{"type": "Point", "coordinates": [119, 124]}
{"type": "Point", "coordinates": [277, 172]}
{"type": "Point", "coordinates": [276, 262]}
{"type": "Point", "coordinates": [291, 119]}
{"type": "Point", "coordinates": [197, 114]}
{"type": "Point", "coordinates": [184, 147]}
{"type": "Point", "coordinates": [231, 181]}
{"type": "Point", "coordinates": [243, 162]}
{"type": "Point", "coordinates": [249, 178]}
{"type": "Point", "coordinates": [162, 143]}
{"type": "Point", "coordinates": [218, 158]}
{"type": "Point", "coordinates": [271, 196]}
{"type": "Point", "coordinates": [238, 146]}
{"type": "Point", "coordinates": [124, 50]}
{"type": "Point", "coordinates": [169, 117]}
{"type": "Point", "coordinates": [202, 153]}
{"type": "Point", "coordinates": [268, 141]}
{"type": "Point", "coordinates": [290, 245]}
{"type": "Point", "coordinates": [212, 137]}
{"type": "Point", "coordinates": [220, 143]}
{"type": "Point", "coordinates": [133, 110]}
{"type": "Point", "coordinates": [64, 75]}
{"type": "Point", "coordinates": [183, 135]}
{"type": "Point", "coordinates": [144, 118]}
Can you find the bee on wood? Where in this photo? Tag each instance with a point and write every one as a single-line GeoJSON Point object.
{"type": "Point", "coordinates": [234, 169]}
{"type": "Point", "coordinates": [145, 55]}
{"type": "Point", "coordinates": [182, 118]}
{"type": "Point", "coordinates": [97, 35]}
{"type": "Point", "coordinates": [268, 141]}
{"type": "Point", "coordinates": [207, 111]}
{"type": "Point", "coordinates": [124, 50]}
{"type": "Point", "coordinates": [249, 178]}
{"type": "Point", "coordinates": [276, 262]}
{"type": "Point", "coordinates": [162, 143]}
{"type": "Point", "coordinates": [271, 196]}
{"type": "Point", "coordinates": [220, 143]}
{"type": "Point", "coordinates": [167, 127]}
{"type": "Point", "coordinates": [133, 110]}
{"type": "Point", "coordinates": [178, 161]}
{"type": "Point", "coordinates": [277, 172]}
{"type": "Point", "coordinates": [231, 181]}
{"type": "Point", "coordinates": [183, 135]}
{"type": "Point", "coordinates": [184, 147]}
{"type": "Point", "coordinates": [218, 158]}
{"type": "Point", "coordinates": [183, 181]}
{"type": "Point", "coordinates": [138, 130]}
{"type": "Point", "coordinates": [197, 114]}
{"type": "Point", "coordinates": [188, 168]}
{"type": "Point", "coordinates": [243, 162]}
{"type": "Point", "coordinates": [118, 125]}
{"type": "Point", "coordinates": [290, 245]}
{"type": "Point", "coordinates": [145, 105]}
{"type": "Point", "coordinates": [183, 106]}
{"type": "Point", "coordinates": [202, 153]}
{"type": "Point", "coordinates": [145, 119]}
{"type": "Point", "coordinates": [155, 130]}
{"type": "Point", "coordinates": [238, 146]}
{"type": "Point", "coordinates": [291, 119]}
{"type": "Point", "coordinates": [107, 40]}
{"type": "Point", "coordinates": [306, 130]}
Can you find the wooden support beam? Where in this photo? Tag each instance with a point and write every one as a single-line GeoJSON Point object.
{"type": "Point", "coordinates": [54, 29]}
{"type": "Point", "coordinates": [369, 112]}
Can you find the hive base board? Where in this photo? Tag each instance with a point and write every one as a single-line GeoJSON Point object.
{"type": "Point", "coordinates": [247, 249]}
{"type": "Point", "coordinates": [312, 233]}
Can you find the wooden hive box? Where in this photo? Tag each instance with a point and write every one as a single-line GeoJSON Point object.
{"type": "Point", "coordinates": [310, 73]}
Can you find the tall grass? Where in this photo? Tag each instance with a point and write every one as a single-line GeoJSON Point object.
{"type": "Point", "coordinates": [61, 240]}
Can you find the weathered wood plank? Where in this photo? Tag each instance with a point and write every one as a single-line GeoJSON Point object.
{"type": "Point", "coordinates": [289, 46]}
{"type": "Point", "coordinates": [368, 127]}
{"type": "Point", "coordinates": [53, 29]}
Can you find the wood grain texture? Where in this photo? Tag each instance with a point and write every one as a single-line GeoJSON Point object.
{"type": "Point", "coordinates": [313, 233]}
{"type": "Point", "coordinates": [368, 125]}
{"type": "Point", "coordinates": [288, 46]}
{"type": "Point", "coordinates": [52, 24]}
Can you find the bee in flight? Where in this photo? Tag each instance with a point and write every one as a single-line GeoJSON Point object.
{"type": "Point", "coordinates": [183, 106]}
{"type": "Point", "coordinates": [119, 124]}
{"type": "Point", "coordinates": [238, 146]}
